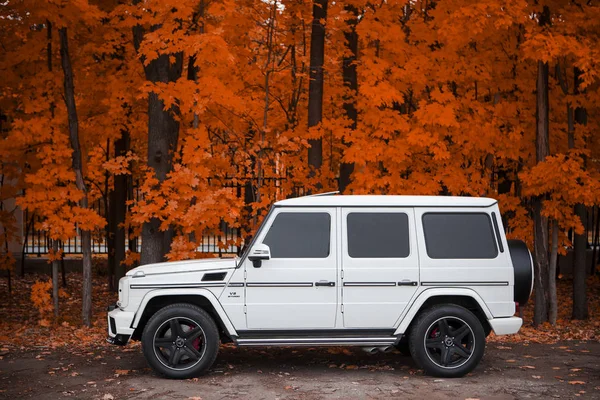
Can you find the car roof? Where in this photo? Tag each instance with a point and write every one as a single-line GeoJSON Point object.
{"type": "Point", "coordinates": [330, 200]}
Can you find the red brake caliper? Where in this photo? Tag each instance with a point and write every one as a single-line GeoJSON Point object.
{"type": "Point", "coordinates": [196, 342]}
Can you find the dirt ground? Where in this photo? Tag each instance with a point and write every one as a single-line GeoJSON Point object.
{"type": "Point", "coordinates": [508, 371]}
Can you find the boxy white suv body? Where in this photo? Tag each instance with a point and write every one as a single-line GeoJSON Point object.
{"type": "Point", "coordinates": [432, 276]}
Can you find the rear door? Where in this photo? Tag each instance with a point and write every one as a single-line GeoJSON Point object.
{"type": "Point", "coordinates": [459, 248]}
{"type": "Point", "coordinates": [380, 265]}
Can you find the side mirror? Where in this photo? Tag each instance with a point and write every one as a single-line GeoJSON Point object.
{"type": "Point", "coordinates": [259, 253]}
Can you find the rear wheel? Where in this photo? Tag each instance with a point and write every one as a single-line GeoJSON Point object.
{"type": "Point", "coordinates": [180, 341]}
{"type": "Point", "coordinates": [447, 341]}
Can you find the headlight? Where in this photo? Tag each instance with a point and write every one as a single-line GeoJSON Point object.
{"type": "Point", "coordinates": [123, 292]}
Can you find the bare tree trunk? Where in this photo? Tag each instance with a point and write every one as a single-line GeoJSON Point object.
{"type": "Point", "coordinates": [351, 82]}
{"type": "Point", "coordinates": [118, 211]}
{"type": "Point", "coordinates": [28, 228]}
{"type": "Point", "coordinates": [109, 229]}
{"type": "Point", "coordinates": [541, 222]}
{"type": "Point", "coordinates": [595, 243]}
{"type": "Point", "coordinates": [315, 86]}
{"type": "Point", "coordinates": [86, 242]}
{"type": "Point", "coordinates": [55, 266]}
{"type": "Point", "coordinates": [553, 303]}
{"type": "Point", "coordinates": [5, 233]}
{"type": "Point", "coordinates": [580, 304]}
{"type": "Point", "coordinates": [63, 272]}
{"type": "Point", "coordinates": [163, 134]}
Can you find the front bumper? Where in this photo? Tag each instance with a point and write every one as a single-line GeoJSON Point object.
{"type": "Point", "coordinates": [119, 325]}
{"type": "Point", "coordinates": [506, 326]}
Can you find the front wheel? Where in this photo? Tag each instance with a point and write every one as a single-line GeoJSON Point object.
{"type": "Point", "coordinates": [447, 341]}
{"type": "Point", "coordinates": [180, 341]}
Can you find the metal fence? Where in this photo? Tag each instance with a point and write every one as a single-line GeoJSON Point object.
{"type": "Point", "coordinates": [226, 240]}
{"type": "Point", "coordinates": [38, 243]}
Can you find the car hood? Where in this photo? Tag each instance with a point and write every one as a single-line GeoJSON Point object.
{"type": "Point", "coordinates": [206, 264]}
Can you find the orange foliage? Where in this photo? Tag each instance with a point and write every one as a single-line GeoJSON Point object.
{"type": "Point", "coordinates": [41, 297]}
{"type": "Point", "coordinates": [445, 105]}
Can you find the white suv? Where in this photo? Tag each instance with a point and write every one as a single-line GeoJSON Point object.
{"type": "Point", "coordinates": [432, 276]}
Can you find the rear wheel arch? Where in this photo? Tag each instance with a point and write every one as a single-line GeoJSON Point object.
{"type": "Point", "coordinates": [464, 300]}
{"type": "Point", "coordinates": [158, 302]}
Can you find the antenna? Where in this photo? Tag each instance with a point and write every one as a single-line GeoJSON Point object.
{"type": "Point", "coordinates": [323, 194]}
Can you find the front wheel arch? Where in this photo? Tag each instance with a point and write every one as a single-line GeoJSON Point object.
{"type": "Point", "coordinates": [157, 303]}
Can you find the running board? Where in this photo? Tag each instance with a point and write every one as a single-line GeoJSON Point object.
{"type": "Point", "coordinates": [319, 341]}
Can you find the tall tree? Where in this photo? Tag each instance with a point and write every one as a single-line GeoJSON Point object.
{"type": "Point", "coordinates": [77, 164]}
{"type": "Point", "coordinates": [580, 306]}
{"type": "Point", "coordinates": [351, 83]}
{"type": "Point", "coordinates": [315, 86]}
{"type": "Point", "coordinates": [163, 134]}
{"type": "Point", "coordinates": [118, 211]}
{"type": "Point", "coordinates": [540, 221]}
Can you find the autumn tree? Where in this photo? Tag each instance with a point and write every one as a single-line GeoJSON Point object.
{"type": "Point", "coordinates": [351, 82]}
{"type": "Point", "coordinates": [161, 66]}
{"type": "Point", "coordinates": [315, 86]}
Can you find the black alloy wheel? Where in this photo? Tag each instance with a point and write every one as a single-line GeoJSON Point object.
{"type": "Point", "coordinates": [180, 341]}
{"type": "Point", "coordinates": [447, 341]}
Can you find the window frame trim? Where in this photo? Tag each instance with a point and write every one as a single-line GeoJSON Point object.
{"type": "Point", "coordinates": [493, 236]}
{"type": "Point", "coordinates": [401, 211]}
{"type": "Point", "coordinates": [325, 210]}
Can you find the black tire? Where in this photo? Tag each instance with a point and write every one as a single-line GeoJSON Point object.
{"type": "Point", "coordinates": [447, 341]}
{"type": "Point", "coordinates": [191, 351]}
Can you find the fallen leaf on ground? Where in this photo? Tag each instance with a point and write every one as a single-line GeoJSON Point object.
{"type": "Point", "coordinates": [576, 383]}
{"type": "Point", "coordinates": [122, 371]}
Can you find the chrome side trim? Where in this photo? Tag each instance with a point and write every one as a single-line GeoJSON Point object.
{"type": "Point", "coordinates": [464, 283]}
{"type": "Point", "coordinates": [347, 341]}
{"type": "Point", "coordinates": [369, 283]}
{"type": "Point", "coordinates": [176, 285]}
{"type": "Point", "coordinates": [279, 284]}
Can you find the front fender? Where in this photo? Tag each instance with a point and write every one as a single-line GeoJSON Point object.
{"type": "Point", "coordinates": [207, 294]}
{"type": "Point", "coordinates": [407, 317]}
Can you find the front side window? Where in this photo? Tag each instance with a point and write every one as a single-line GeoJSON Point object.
{"type": "Point", "coordinates": [459, 235]}
{"type": "Point", "coordinates": [378, 235]}
{"type": "Point", "coordinates": [299, 235]}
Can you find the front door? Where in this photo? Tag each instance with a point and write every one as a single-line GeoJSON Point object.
{"type": "Point", "coordinates": [380, 265]}
{"type": "Point", "coordinates": [296, 287]}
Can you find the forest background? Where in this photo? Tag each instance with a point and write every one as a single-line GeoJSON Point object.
{"type": "Point", "coordinates": [182, 116]}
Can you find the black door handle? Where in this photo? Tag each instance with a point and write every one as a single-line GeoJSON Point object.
{"type": "Point", "coordinates": [325, 283]}
{"type": "Point", "coordinates": [408, 283]}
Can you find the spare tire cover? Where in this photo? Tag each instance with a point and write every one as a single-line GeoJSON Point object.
{"type": "Point", "coordinates": [523, 267]}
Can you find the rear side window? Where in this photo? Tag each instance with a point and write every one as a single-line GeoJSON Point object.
{"type": "Point", "coordinates": [459, 235]}
{"type": "Point", "coordinates": [378, 235]}
{"type": "Point", "coordinates": [299, 235]}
